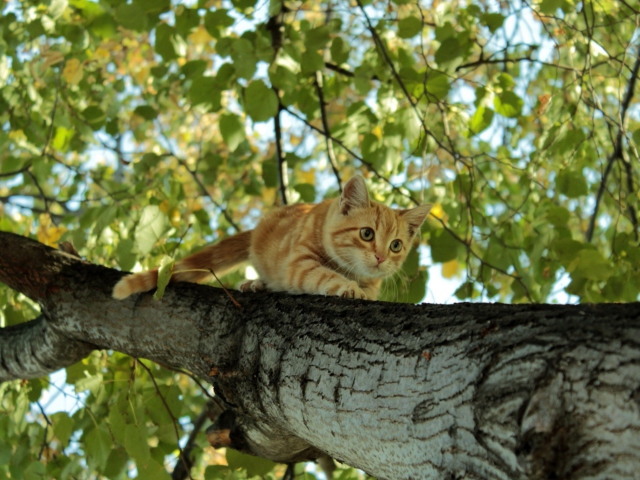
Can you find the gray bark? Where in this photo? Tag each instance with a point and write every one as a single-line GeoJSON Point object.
{"type": "Point", "coordinates": [401, 391]}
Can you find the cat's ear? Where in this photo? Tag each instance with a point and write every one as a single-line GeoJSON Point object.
{"type": "Point", "coordinates": [415, 216]}
{"type": "Point", "coordinates": [354, 195]}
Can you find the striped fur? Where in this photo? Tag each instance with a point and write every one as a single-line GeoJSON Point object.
{"type": "Point", "coordinates": [317, 249]}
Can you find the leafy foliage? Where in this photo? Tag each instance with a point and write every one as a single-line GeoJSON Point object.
{"type": "Point", "coordinates": [144, 129]}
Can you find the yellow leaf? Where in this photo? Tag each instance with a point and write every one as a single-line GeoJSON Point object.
{"type": "Point", "coordinates": [307, 177]}
{"type": "Point", "coordinates": [72, 72]}
{"type": "Point", "coordinates": [142, 75]}
{"type": "Point", "coordinates": [450, 268]}
{"type": "Point", "coordinates": [47, 233]}
{"type": "Point", "coordinates": [200, 36]}
{"type": "Point", "coordinates": [437, 211]}
{"type": "Point", "coordinates": [102, 53]}
{"type": "Point", "coordinates": [377, 131]}
{"type": "Point", "coordinates": [164, 206]}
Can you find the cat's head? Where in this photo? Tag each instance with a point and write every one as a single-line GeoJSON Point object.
{"type": "Point", "coordinates": [368, 239]}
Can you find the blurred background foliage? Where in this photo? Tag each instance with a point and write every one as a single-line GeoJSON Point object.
{"type": "Point", "coordinates": [137, 129]}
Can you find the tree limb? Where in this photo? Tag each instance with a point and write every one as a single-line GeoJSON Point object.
{"type": "Point", "coordinates": [496, 391]}
{"type": "Point", "coordinates": [617, 154]}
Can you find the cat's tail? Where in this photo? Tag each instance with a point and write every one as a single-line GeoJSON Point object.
{"type": "Point", "coordinates": [220, 258]}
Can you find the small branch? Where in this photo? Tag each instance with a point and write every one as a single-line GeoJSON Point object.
{"type": "Point", "coordinates": [173, 419]}
{"type": "Point", "coordinates": [16, 172]}
{"type": "Point", "coordinates": [53, 115]}
{"type": "Point", "coordinates": [283, 177]}
{"type": "Point", "coordinates": [181, 470]}
{"type": "Point", "coordinates": [204, 190]}
{"type": "Point", "coordinates": [616, 154]}
{"type": "Point", "coordinates": [369, 166]}
{"type": "Point", "coordinates": [378, 41]}
{"type": "Point", "coordinates": [325, 124]}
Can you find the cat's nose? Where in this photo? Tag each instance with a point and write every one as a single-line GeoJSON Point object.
{"type": "Point", "coordinates": [380, 258]}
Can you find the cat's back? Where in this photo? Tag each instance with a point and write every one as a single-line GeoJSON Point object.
{"type": "Point", "coordinates": [288, 221]}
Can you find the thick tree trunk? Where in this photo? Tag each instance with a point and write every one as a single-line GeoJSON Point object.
{"type": "Point", "coordinates": [401, 391]}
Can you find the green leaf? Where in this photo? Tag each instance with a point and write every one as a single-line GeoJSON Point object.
{"type": "Point", "coordinates": [205, 91]}
{"type": "Point", "coordinates": [450, 52]}
{"type": "Point", "coordinates": [444, 246]}
{"type": "Point", "coordinates": [492, 20]}
{"type": "Point", "coordinates": [566, 250]}
{"type": "Point", "coordinates": [270, 173]}
{"type": "Point", "coordinates": [307, 192]}
{"type": "Point", "coordinates": [409, 27]}
{"type": "Point", "coordinates": [217, 472]}
{"type": "Point", "coordinates": [62, 427]}
{"type": "Point", "coordinates": [311, 62]}
{"type": "Point", "coordinates": [57, 8]}
{"type": "Point", "coordinates": [94, 116]}
{"type": "Point", "coordinates": [417, 287]}
{"type": "Point", "coordinates": [481, 119]}
{"type": "Point", "coordinates": [62, 139]}
{"type": "Point", "coordinates": [151, 470]}
{"type": "Point", "coordinates": [151, 228]}
{"type": "Point", "coordinates": [146, 112]}
{"type": "Point", "coordinates": [255, 466]}
{"type": "Point", "coordinates": [590, 264]}
{"type": "Point", "coordinates": [636, 137]}
{"type": "Point", "coordinates": [116, 463]}
{"type": "Point", "coordinates": [158, 409]}
{"type": "Point", "coordinates": [232, 130]}
{"type": "Point", "coordinates": [216, 20]}
{"type": "Point", "coordinates": [126, 256]}
{"type": "Point", "coordinates": [131, 16]}
{"type": "Point", "coordinates": [136, 443]}
{"type": "Point", "coordinates": [317, 38]}
{"type": "Point", "coordinates": [260, 102]}
{"type": "Point", "coordinates": [506, 81]}
{"type": "Point", "coordinates": [572, 183]}
{"type": "Point", "coordinates": [164, 275]}
{"type": "Point", "coordinates": [340, 50]}
{"type": "Point", "coordinates": [244, 58]}
{"type": "Point", "coordinates": [165, 46]}
{"type": "Point", "coordinates": [194, 68]}
{"type": "Point", "coordinates": [558, 216]}
{"type": "Point", "coordinates": [550, 7]}
{"type": "Point", "coordinates": [437, 85]}
{"type": "Point", "coordinates": [98, 445]}
{"type": "Point", "coordinates": [187, 21]}
{"type": "Point", "coordinates": [508, 104]}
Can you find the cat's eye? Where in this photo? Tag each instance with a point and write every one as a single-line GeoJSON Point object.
{"type": "Point", "coordinates": [396, 245]}
{"type": "Point", "coordinates": [366, 234]}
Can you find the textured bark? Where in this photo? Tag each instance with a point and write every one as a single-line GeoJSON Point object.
{"type": "Point", "coordinates": [401, 391]}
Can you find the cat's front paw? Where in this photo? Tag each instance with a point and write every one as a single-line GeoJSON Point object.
{"type": "Point", "coordinates": [347, 290]}
{"type": "Point", "coordinates": [252, 285]}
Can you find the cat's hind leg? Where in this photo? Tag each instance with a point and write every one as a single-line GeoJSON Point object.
{"type": "Point", "coordinates": [252, 285]}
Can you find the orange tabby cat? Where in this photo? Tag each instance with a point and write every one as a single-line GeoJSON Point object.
{"type": "Point", "coordinates": [342, 247]}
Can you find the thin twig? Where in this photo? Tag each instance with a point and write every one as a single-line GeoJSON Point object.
{"type": "Point", "coordinates": [181, 469]}
{"type": "Point", "coordinates": [283, 178]}
{"type": "Point", "coordinates": [16, 172]}
{"type": "Point", "coordinates": [617, 154]}
{"type": "Point", "coordinates": [173, 419]}
{"type": "Point", "coordinates": [53, 115]}
{"type": "Point", "coordinates": [202, 186]}
{"type": "Point", "coordinates": [235, 302]}
{"type": "Point", "coordinates": [333, 161]}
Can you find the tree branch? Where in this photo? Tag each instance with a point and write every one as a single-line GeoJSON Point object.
{"type": "Point", "coordinates": [617, 154]}
{"type": "Point", "coordinates": [333, 161]}
{"type": "Point", "coordinates": [282, 159]}
{"type": "Point", "coordinates": [505, 385]}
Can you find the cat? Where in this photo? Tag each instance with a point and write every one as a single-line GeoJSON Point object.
{"type": "Point", "coordinates": [341, 247]}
